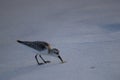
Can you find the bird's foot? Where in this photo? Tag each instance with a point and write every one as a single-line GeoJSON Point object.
{"type": "Point", "coordinates": [40, 63]}
{"type": "Point", "coordinates": [47, 61]}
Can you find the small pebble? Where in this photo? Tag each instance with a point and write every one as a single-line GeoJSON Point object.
{"type": "Point", "coordinates": [92, 67]}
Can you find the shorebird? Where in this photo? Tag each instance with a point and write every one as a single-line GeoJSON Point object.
{"type": "Point", "coordinates": [41, 46]}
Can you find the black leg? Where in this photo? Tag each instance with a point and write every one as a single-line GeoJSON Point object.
{"type": "Point", "coordinates": [44, 60]}
{"type": "Point", "coordinates": [37, 59]}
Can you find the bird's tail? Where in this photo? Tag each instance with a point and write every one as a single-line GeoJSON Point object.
{"type": "Point", "coordinates": [27, 43]}
{"type": "Point", "coordinates": [19, 41]}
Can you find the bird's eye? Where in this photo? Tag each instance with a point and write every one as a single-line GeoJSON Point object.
{"type": "Point", "coordinates": [56, 52]}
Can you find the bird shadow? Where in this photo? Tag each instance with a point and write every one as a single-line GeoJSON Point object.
{"type": "Point", "coordinates": [24, 70]}
{"type": "Point", "coordinates": [115, 27]}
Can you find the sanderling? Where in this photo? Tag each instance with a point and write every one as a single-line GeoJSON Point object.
{"type": "Point", "coordinates": [41, 46]}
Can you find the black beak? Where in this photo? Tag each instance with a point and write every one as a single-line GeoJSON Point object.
{"type": "Point", "coordinates": [60, 59]}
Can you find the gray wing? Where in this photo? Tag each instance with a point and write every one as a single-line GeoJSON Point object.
{"type": "Point", "coordinates": [38, 45]}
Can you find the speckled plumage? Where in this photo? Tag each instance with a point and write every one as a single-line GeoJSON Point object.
{"type": "Point", "coordinates": [40, 46]}
{"type": "Point", "coordinates": [37, 45]}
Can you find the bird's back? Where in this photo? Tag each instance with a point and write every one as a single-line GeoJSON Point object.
{"type": "Point", "coordinates": [38, 45]}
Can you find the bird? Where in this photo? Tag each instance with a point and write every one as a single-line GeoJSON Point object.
{"type": "Point", "coordinates": [41, 46]}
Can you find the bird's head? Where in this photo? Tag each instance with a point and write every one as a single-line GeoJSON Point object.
{"type": "Point", "coordinates": [55, 52]}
